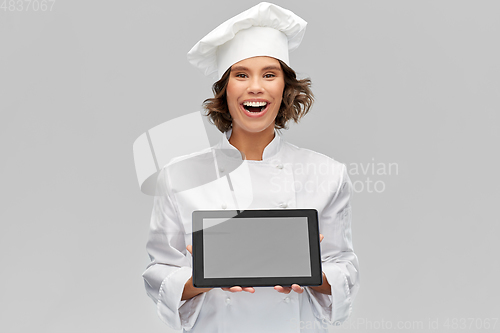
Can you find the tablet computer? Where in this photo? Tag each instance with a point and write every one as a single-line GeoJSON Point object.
{"type": "Point", "coordinates": [253, 248]}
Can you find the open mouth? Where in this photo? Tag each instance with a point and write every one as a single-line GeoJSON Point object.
{"type": "Point", "coordinates": [255, 107]}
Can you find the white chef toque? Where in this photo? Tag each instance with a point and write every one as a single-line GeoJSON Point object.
{"type": "Point", "coordinates": [263, 30]}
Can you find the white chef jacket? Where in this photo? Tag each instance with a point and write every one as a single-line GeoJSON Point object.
{"type": "Point", "coordinates": [286, 177]}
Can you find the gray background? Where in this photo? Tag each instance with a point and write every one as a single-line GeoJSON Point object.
{"type": "Point", "coordinates": [409, 82]}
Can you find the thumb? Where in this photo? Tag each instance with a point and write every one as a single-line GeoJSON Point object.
{"type": "Point", "coordinates": [190, 249]}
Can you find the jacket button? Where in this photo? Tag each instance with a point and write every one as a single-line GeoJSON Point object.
{"type": "Point", "coordinates": [221, 169]}
{"type": "Point", "coordinates": [228, 301]}
{"type": "Point", "coordinates": [223, 206]}
{"type": "Point", "coordinates": [287, 299]}
{"type": "Point", "coordinates": [283, 205]}
{"type": "Point", "coordinates": [280, 166]}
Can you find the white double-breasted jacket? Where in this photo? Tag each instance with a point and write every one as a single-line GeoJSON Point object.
{"type": "Point", "coordinates": [286, 177]}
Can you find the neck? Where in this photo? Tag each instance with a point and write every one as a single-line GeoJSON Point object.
{"type": "Point", "coordinates": [251, 144]}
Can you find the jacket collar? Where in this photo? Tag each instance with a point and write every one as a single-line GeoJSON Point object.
{"type": "Point", "coordinates": [270, 150]}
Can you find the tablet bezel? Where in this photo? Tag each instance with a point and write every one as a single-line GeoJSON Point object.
{"type": "Point", "coordinates": [316, 278]}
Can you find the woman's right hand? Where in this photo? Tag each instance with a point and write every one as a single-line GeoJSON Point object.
{"type": "Point", "coordinates": [190, 290]}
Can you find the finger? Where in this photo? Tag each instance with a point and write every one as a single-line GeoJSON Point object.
{"type": "Point", "coordinates": [234, 289]}
{"type": "Point", "coordinates": [284, 290]}
{"type": "Point", "coordinates": [298, 289]}
{"type": "Point", "coordinates": [190, 249]}
{"type": "Point", "coordinates": [321, 237]}
{"type": "Point", "coordinates": [249, 289]}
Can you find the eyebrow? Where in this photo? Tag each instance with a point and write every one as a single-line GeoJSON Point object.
{"type": "Point", "coordinates": [267, 68]}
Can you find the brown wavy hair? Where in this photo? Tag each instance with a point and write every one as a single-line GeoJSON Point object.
{"type": "Point", "coordinates": [297, 100]}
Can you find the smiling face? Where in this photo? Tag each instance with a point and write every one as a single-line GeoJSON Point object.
{"type": "Point", "coordinates": [254, 92]}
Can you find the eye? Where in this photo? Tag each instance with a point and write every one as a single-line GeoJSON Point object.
{"type": "Point", "coordinates": [242, 75]}
{"type": "Point", "coordinates": [269, 75]}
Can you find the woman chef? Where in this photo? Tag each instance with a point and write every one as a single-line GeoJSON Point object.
{"type": "Point", "coordinates": [256, 95]}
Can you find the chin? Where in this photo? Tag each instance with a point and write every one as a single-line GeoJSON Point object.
{"type": "Point", "coordinates": [254, 126]}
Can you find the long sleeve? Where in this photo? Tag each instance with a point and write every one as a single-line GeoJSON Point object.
{"type": "Point", "coordinates": [339, 261]}
{"type": "Point", "coordinates": [170, 266]}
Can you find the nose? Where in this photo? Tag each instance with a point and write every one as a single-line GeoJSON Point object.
{"type": "Point", "coordinates": [255, 85]}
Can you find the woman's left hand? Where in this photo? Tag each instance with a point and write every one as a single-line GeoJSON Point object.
{"type": "Point", "coordinates": [286, 290]}
{"type": "Point", "coordinates": [295, 287]}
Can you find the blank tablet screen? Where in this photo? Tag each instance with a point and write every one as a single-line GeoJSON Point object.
{"type": "Point", "coordinates": [262, 247]}
{"type": "Point", "coordinates": [256, 247]}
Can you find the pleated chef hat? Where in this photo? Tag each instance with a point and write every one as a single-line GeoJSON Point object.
{"type": "Point", "coordinates": [263, 30]}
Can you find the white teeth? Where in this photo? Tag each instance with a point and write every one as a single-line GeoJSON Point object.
{"type": "Point", "coordinates": [255, 104]}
